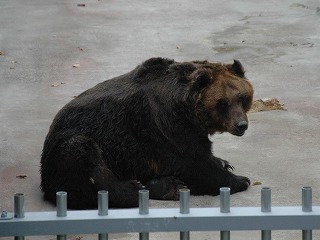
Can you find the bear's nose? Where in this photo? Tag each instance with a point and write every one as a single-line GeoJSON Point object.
{"type": "Point", "coordinates": [242, 126]}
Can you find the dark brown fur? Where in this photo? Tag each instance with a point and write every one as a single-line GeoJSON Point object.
{"type": "Point", "coordinates": [147, 127]}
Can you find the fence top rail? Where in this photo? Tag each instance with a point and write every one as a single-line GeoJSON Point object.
{"type": "Point", "coordinates": [161, 220]}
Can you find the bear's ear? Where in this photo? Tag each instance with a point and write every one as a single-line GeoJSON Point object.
{"type": "Point", "coordinates": [200, 79]}
{"type": "Point", "coordinates": [237, 69]}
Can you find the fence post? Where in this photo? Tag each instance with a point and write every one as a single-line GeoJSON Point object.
{"type": "Point", "coordinates": [225, 208]}
{"type": "Point", "coordinates": [266, 207]}
{"type": "Point", "coordinates": [61, 209]}
{"type": "Point", "coordinates": [144, 209]}
{"type": "Point", "coordinates": [184, 209]}
{"type": "Point", "coordinates": [307, 207]}
{"type": "Point", "coordinates": [19, 209]}
{"type": "Point", "coordinates": [103, 206]}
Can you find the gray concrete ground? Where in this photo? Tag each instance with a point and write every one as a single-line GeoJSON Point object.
{"type": "Point", "coordinates": [277, 41]}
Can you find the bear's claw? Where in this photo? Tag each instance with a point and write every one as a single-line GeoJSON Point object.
{"type": "Point", "coordinates": [239, 184]}
{"type": "Point", "coordinates": [225, 164]}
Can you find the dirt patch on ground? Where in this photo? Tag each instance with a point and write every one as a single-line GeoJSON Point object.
{"type": "Point", "coordinates": [261, 105]}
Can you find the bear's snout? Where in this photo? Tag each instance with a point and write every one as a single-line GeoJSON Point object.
{"type": "Point", "coordinates": [241, 127]}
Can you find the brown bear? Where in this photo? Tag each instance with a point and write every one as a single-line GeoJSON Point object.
{"type": "Point", "coordinates": [148, 127]}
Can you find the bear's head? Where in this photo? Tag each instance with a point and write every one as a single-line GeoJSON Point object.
{"type": "Point", "coordinates": [223, 98]}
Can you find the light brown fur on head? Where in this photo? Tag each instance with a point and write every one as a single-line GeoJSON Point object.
{"type": "Point", "coordinates": [223, 103]}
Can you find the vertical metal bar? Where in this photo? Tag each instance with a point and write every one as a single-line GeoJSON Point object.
{"type": "Point", "coordinates": [225, 200]}
{"type": "Point", "coordinates": [266, 234]}
{"type": "Point", "coordinates": [19, 209]}
{"type": "Point", "coordinates": [143, 201]}
{"type": "Point", "coordinates": [144, 236]}
{"type": "Point", "coordinates": [266, 207]}
{"type": "Point", "coordinates": [103, 236]}
{"type": "Point", "coordinates": [307, 207]}
{"type": "Point", "coordinates": [307, 234]}
{"type": "Point", "coordinates": [144, 209]}
{"type": "Point", "coordinates": [61, 237]}
{"type": "Point", "coordinates": [184, 200]}
{"type": "Point", "coordinates": [184, 209]}
{"type": "Point", "coordinates": [307, 199]}
{"type": "Point", "coordinates": [225, 235]}
{"type": "Point", "coordinates": [266, 199]}
{"type": "Point", "coordinates": [19, 205]}
{"type": "Point", "coordinates": [103, 203]}
{"type": "Point", "coordinates": [103, 206]}
{"type": "Point", "coordinates": [61, 198]}
{"type": "Point", "coordinates": [61, 204]}
{"type": "Point", "coordinates": [225, 208]}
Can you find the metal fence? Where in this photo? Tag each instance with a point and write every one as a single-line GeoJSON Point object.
{"type": "Point", "coordinates": [103, 221]}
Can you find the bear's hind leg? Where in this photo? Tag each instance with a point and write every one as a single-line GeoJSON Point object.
{"type": "Point", "coordinates": [76, 166]}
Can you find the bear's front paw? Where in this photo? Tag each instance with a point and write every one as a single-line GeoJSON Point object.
{"type": "Point", "coordinates": [239, 184]}
{"type": "Point", "coordinates": [137, 184]}
{"type": "Point", "coordinates": [165, 188]}
{"type": "Point", "coordinates": [125, 194]}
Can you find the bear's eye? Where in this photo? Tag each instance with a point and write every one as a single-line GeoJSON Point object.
{"type": "Point", "coordinates": [223, 105]}
{"type": "Point", "coordinates": [244, 99]}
